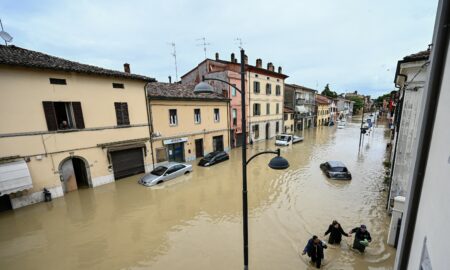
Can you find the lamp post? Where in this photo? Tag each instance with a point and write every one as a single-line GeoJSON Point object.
{"type": "Point", "coordinates": [276, 163]}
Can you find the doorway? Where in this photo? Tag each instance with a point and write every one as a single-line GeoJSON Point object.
{"type": "Point", "coordinates": [199, 148]}
{"type": "Point", "coordinates": [176, 152]}
{"type": "Point", "coordinates": [74, 174]}
{"type": "Point", "coordinates": [267, 131]}
{"type": "Point", "coordinates": [218, 143]}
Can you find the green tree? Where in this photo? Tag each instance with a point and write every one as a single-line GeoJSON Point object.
{"type": "Point", "coordinates": [327, 92]}
{"type": "Point", "coordinates": [359, 103]}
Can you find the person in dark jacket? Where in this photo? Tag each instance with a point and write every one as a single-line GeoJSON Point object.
{"type": "Point", "coordinates": [335, 230]}
{"type": "Point", "coordinates": [314, 249]}
{"type": "Point", "coordinates": [361, 235]}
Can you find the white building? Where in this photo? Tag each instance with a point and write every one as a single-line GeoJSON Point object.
{"type": "Point", "coordinates": [410, 78]}
{"type": "Point", "coordinates": [424, 240]}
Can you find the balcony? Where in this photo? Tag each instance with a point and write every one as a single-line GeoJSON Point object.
{"type": "Point", "coordinates": [302, 101]}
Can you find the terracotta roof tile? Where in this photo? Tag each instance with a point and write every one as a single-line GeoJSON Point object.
{"type": "Point", "coordinates": [179, 91]}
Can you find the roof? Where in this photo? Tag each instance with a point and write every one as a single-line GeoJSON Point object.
{"type": "Point", "coordinates": [335, 163]}
{"type": "Point", "coordinates": [179, 91]}
{"type": "Point", "coordinates": [322, 99]}
{"type": "Point", "coordinates": [16, 56]}
{"type": "Point", "coordinates": [288, 110]}
{"type": "Point", "coordinates": [300, 87]}
{"type": "Point", "coordinates": [422, 55]}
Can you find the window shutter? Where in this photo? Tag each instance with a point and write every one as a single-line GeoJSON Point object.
{"type": "Point", "coordinates": [50, 116]}
{"type": "Point", "coordinates": [125, 117]}
{"type": "Point", "coordinates": [78, 114]}
{"type": "Point", "coordinates": [118, 107]}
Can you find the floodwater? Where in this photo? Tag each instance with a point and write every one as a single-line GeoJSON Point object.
{"type": "Point", "coordinates": [195, 221]}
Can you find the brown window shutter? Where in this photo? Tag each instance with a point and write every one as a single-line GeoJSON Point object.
{"type": "Point", "coordinates": [78, 114]}
{"type": "Point", "coordinates": [118, 107]}
{"type": "Point", "coordinates": [50, 116]}
{"type": "Point", "coordinates": [125, 117]}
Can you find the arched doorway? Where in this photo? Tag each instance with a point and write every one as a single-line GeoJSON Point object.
{"type": "Point", "coordinates": [74, 174]}
{"type": "Point", "coordinates": [267, 131]}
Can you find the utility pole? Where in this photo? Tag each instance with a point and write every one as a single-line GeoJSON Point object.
{"type": "Point", "coordinates": [174, 54]}
{"type": "Point", "coordinates": [204, 44]}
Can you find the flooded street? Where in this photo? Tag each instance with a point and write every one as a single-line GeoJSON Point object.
{"type": "Point", "coordinates": [195, 221]}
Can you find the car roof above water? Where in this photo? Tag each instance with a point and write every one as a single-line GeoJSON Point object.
{"type": "Point", "coordinates": [335, 163]}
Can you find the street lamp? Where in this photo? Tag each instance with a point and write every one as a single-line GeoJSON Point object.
{"type": "Point", "coordinates": [276, 163]}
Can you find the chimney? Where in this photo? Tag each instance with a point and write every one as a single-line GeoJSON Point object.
{"type": "Point", "coordinates": [245, 59]}
{"type": "Point", "coordinates": [217, 56]}
{"type": "Point", "coordinates": [232, 58]}
{"type": "Point", "coordinates": [126, 68]}
{"type": "Point", "coordinates": [170, 79]}
{"type": "Point", "coordinates": [235, 60]}
{"type": "Point", "coordinates": [259, 63]}
{"type": "Point", "coordinates": [270, 66]}
{"type": "Point", "coordinates": [280, 70]}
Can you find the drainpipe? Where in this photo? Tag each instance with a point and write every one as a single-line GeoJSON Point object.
{"type": "Point", "coordinates": [150, 123]}
{"type": "Point", "coordinates": [438, 56]}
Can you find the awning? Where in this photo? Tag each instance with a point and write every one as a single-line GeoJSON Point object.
{"type": "Point", "coordinates": [301, 109]}
{"type": "Point", "coordinates": [14, 176]}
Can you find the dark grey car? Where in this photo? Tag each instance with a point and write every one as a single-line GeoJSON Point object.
{"type": "Point", "coordinates": [336, 170]}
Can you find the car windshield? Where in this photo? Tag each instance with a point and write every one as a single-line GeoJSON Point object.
{"type": "Point", "coordinates": [338, 169]}
{"type": "Point", "coordinates": [282, 138]}
{"type": "Point", "coordinates": [210, 155]}
{"type": "Point", "coordinates": [160, 170]}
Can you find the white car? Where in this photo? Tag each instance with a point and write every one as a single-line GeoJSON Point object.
{"type": "Point", "coordinates": [287, 139]}
{"type": "Point", "coordinates": [165, 172]}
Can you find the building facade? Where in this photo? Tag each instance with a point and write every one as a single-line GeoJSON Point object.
{"type": "Point", "coordinates": [323, 110]}
{"type": "Point", "coordinates": [303, 101]}
{"type": "Point", "coordinates": [69, 126]}
{"type": "Point", "coordinates": [343, 107]}
{"type": "Point", "coordinates": [288, 120]}
{"type": "Point", "coordinates": [186, 126]}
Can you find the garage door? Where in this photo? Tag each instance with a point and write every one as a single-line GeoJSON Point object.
{"type": "Point", "coordinates": [127, 162]}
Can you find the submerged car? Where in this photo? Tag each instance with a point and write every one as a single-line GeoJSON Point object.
{"type": "Point", "coordinates": [213, 158]}
{"type": "Point", "coordinates": [336, 170]}
{"type": "Point", "coordinates": [165, 172]}
{"type": "Point", "coordinates": [287, 139]}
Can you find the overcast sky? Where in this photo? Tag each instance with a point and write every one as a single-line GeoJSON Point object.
{"type": "Point", "coordinates": [350, 44]}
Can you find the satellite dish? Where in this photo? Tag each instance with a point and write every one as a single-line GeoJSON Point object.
{"type": "Point", "coordinates": [5, 36]}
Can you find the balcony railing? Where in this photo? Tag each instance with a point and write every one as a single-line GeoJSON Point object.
{"type": "Point", "coordinates": [302, 101]}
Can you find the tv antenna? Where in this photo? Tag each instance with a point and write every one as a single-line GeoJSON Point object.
{"type": "Point", "coordinates": [204, 44]}
{"type": "Point", "coordinates": [5, 36]}
{"type": "Point", "coordinates": [174, 54]}
{"type": "Point", "coordinates": [239, 40]}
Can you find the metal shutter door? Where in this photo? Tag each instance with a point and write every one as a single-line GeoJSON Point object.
{"type": "Point", "coordinates": [127, 162]}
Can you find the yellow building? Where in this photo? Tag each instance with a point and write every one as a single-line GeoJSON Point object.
{"type": "Point", "coordinates": [288, 120]}
{"type": "Point", "coordinates": [323, 110]}
{"type": "Point", "coordinates": [67, 125]}
{"type": "Point", "coordinates": [186, 126]}
{"type": "Point", "coordinates": [266, 101]}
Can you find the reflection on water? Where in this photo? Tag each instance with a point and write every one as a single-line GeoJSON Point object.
{"type": "Point", "coordinates": [195, 222]}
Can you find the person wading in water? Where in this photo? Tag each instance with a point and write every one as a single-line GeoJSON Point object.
{"type": "Point", "coordinates": [335, 230]}
{"type": "Point", "coordinates": [314, 249]}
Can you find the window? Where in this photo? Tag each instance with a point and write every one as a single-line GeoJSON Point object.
{"type": "Point", "coordinates": [292, 116]}
{"type": "Point", "coordinates": [173, 119]}
{"type": "Point", "coordinates": [278, 108]}
{"type": "Point", "coordinates": [233, 90]}
{"type": "Point", "coordinates": [256, 131]}
{"type": "Point", "coordinates": [234, 116]}
{"type": "Point", "coordinates": [277, 127]}
{"type": "Point", "coordinates": [63, 115]}
{"type": "Point", "coordinates": [268, 89]}
{"type": "Point", "coordinates": [122, 113]}
{"type": "Point", "coordinates": [277, 90]}
{"type": "Point", "coordinates": [118, 85]}
{"type": "Point", "coordinates": [197, 116]}
{"type": "Point", "coordinates": [256, 89]}
{"type": "Point", "coordinates": [216, 115]}
{"type": "Point", "coordinates": [268, 108]}
{"type": "Point", "coordinates": [161, 154]}
{"type": "Point", "coordinates": [285, 116]}
{"type": "Point", "coordinates": [256, 109]}
{"type": "Point", "coordinates": [58, 81]}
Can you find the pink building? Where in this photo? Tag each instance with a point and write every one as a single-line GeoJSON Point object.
{"type": "Point", "coordinates": [228, 71]}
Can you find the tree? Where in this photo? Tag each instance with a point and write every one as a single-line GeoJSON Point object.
{"type": "Point", "coordinates": [359, 103]}
{"type": "Point", "coordinates": [327, 92]}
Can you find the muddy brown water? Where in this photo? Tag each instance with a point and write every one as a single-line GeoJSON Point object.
{"type": "Point", "coordinates": [195, 221]}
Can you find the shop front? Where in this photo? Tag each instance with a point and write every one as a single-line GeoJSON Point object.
{"type": "Point", "coordinates": [175, 149]}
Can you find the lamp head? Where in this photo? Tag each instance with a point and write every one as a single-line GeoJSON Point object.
{"type": "Point", "coordinates": [203, 88]}
{"type": "Point", "coordinates": [278, 163]}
